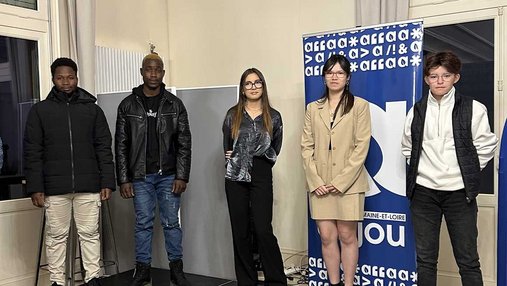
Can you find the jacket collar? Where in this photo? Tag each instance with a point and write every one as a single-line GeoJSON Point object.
{"type": "Point", "coordinates": [138, 91]}
{"type": "Point", "coordinates": [325, 114]}
{"type": "Point", "coordinates": [447, 99]}
{"type": "Point", "coordinates": [79, 96]}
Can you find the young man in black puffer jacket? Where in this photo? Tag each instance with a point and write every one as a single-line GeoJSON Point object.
{"type": "Point", "coordinates": [69, 168]}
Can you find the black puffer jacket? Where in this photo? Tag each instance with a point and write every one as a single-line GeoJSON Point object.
{"type": "Point", "coordinates": [173, 132]}
{"type": "Point", "coordinates": [67, 146]}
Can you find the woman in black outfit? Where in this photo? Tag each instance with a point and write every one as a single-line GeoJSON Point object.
{"type": "Point", "coordinates": [252, 140]}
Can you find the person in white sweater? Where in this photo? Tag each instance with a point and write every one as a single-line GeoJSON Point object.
{"type": "Point", "coordinates": [448, 141]}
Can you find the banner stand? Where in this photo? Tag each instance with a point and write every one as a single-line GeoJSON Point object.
{"type": "Point", "coordinates": [386, 70]}
{"type": "Point", "coordinates": [502, 212]}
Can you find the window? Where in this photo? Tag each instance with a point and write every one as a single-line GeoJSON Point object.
{"type": "Point", "coordinates": [29, 4]}
{"type": "Point", "coordinates": [25, 53]}
{"type": "Point", "coordinates": [19, 90]}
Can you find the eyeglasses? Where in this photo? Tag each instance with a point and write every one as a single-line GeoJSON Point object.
{"type": "Point", "coordinates": [252, 85]}
{"type": "Point", "coordinates": [445, 77]}
{"type": "Point", "coordinates": [339, 74]}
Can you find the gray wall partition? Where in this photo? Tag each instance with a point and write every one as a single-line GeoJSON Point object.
{"type": "Point", "coordinates": [122, 211]}
{"type": "Point", "coordinates": [207, 232]}
{"type": "Point", "coordinates": [207, 239]}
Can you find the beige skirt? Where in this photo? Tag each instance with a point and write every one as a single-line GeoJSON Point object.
{"type": "Point", "coordinates": [336, 206]}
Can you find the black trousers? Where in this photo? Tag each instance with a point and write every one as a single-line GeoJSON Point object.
{"type": "Point", "coordinates": [253, 203]}
{"type": "Point", "coordinates": [427, 208]}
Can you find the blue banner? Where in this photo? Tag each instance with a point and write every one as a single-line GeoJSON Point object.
{"type": "Point", "coordinates": [502, 211]}
{"type": "Point", "coordinates": [386, 64]}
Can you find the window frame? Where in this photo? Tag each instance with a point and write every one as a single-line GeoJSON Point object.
{"type": "Point", "coordinates": [500, 105]}
{"type": "Point", "coordinates": [33, 25]}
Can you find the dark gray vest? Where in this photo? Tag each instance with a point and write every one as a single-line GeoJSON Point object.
{"type": "Point", "coordinates": [468, 159]}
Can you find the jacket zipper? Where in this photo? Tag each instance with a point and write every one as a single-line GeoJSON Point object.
{"type": "Point", "coordinates": [438, 121]}
{"type": "Point", "coordinates": [145, 132]}
{"type": "Point", "coordinates": [159, 147]}
{"type": "Point", "coordinates": [71, 147]}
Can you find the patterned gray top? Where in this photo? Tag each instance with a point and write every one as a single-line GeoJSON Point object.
{"type": "Point", "coordinates": [253, 141]}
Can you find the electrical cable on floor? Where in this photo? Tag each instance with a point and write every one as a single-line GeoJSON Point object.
{"type": "Point", "coordinates": [297, 275]}
{"type": "Point", "coordinates": [294, 254]}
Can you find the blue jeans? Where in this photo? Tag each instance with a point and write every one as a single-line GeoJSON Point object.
{"type": "Point", "coordinates": [427, 208]}
{"type": "Point", "coordinates": [156, 188]}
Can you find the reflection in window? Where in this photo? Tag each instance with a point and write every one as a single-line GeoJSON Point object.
{"type": "Point", "coordinates": [473, 42]}
{"type": "Point", "coordinates": [29, 4]}
{"type": "Point", "coordinates": [19, 90]}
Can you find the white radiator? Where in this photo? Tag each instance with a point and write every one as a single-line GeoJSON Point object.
{"type": "Point", "coordinates": [117, 70]}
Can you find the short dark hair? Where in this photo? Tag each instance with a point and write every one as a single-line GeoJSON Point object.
{"type": "Point", "coordinates": [153, 57]}
{"type": "Point", "coordinates": [63, 62]}
{"type": "Point", "coordinates": [446, 59]}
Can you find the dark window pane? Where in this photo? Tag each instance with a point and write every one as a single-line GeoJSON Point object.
{"type": "Point", "coordinates": [29, 4]}
{"type": "Point", "coordinates": [19, 90]}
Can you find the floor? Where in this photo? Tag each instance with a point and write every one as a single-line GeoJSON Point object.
{"type": "Point", "coordinates": [160, 277]}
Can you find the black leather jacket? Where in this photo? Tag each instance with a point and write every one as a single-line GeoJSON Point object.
{"type": "Point", "coordinates": [131, 137]}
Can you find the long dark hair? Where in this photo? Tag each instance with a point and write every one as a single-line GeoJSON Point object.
{"type": "Point", "coordinates": [240, 106]}
{"type": "Point", "coordinates": [347, 100]}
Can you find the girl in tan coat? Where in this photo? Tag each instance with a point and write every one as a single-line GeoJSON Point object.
{"type": "Point", "coordinates": [334, 144]}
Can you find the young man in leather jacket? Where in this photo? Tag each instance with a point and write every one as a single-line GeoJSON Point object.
{"type": "Point", "coordinates": [153, 154]}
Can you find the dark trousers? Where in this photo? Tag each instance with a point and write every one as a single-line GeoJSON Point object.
{"type": "Point", "coordinates": [427, 207]}
{"type": "Point", "coordinates": [253, 202]}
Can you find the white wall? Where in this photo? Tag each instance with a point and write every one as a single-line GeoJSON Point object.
{"type": "Point", "coordinates": [131, 25]}
{"type": "Point", "coordinates": [21, 224]}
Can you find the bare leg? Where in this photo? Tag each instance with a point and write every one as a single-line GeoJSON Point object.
{"type": "Point", "coordinates": [330, 251]}
{"type": "Point", "coordinates": [347, 231]}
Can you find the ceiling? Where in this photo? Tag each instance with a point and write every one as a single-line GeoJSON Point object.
{"type": "Point", "coordinates": [471, 41]}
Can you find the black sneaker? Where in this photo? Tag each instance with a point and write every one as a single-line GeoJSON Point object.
{"type": "Point", "coordinates": [141, 275]}
{"type": "Point", "coordinates": [55, 284]}
{"type": "Point", "coordinates": [177, 275]}
{"type": "Point", "coordinates": [94, 282]}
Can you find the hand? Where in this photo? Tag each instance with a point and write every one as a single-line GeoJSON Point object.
{"type": "Point", "coordinates": [38, 199]}
{"type": "Point", "coordinates": [331, 189]}
{"type": "Point", "coordinates": [179, 186]}
{"type": "Point", "coordinates": [127, 190]}
{"type": "Point", "coordinates": [105, 194]}
{"type": "Point", "coordinates": [322, 190]}
{"type": "Point", "coordinates": [228, 154]}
